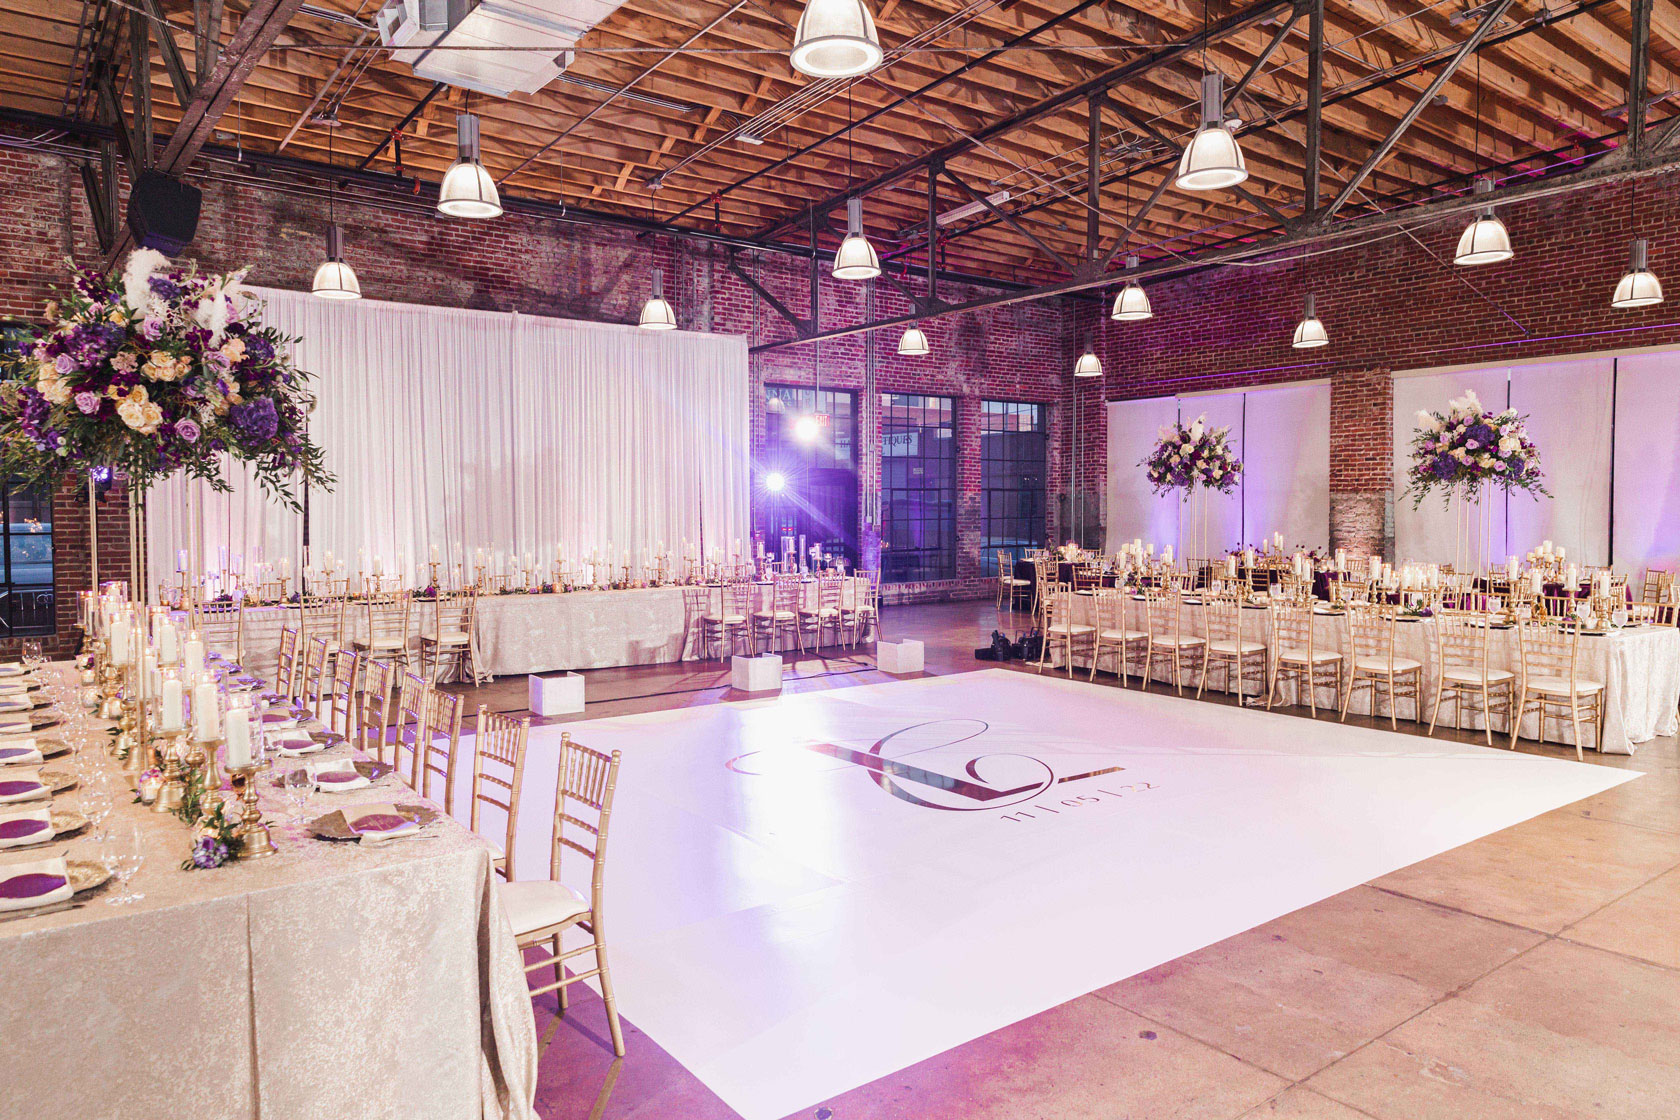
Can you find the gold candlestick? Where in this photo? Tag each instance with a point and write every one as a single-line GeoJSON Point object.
{"type": "Point", "coordinates": [201, 764]}
{"type": "Point", "coordinates": [170, 747]}
{"type": "Point", "coordinates": [254, 839]}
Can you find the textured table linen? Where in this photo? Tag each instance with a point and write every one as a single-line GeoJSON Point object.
{"type": "Point", "coordinates": [1640, 668]}
{"type": "Point", "coordinates": [330, 980]}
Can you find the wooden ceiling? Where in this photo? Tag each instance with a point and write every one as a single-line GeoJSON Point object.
{"type": "Point", "coordinates": [1551, 84]}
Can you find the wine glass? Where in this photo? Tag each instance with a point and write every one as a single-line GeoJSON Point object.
{"type": "Point", "coordinates": [300, 783]}
{"type": "Point", "coordinates": [32, 658]}
{"type": "Point", "coordinates": [98, 799]}
{"type": "Point", "coordinates": [124, 857]}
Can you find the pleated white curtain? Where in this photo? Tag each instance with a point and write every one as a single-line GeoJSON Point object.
{"type": "Point", "coordinates": [1647, 460]}
{"type": "Point", "coordinates": [466, 430]}
{"type": "Point", "coordinates": [1133, 511]}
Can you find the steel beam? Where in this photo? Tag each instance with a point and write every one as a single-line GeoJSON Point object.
{"type": "Point", "coordinates": [408, 119]}
{"type": "Point", "coordinates": [802, 325]}
{"type": "Point", "coordinates": [1150, 60]}
{"type": "Point", "coordinates": [1639, 74]}
{"type": "Point", "coordinates": [1093, 179]}
{"type": "Point", "coordinates": [1263, 57]}
{"type": "Point", "coordinates": [1490, 16]}
{"type": "Point", "coordinates": [1010, 220]}
{"type": "Point", "coordinates": [1315, 109]}
{"type": "Point", "coordinates": [1599, 173]}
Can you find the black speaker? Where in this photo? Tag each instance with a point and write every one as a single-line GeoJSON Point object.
{"type": "Point", "coordinates": [163, 212]}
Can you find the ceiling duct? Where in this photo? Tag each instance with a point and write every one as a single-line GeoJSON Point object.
{"type": "Point", "coordinates": [498, 47]}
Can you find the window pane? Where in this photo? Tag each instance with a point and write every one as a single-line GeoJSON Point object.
{"type": "Point", "coordinates": [1013, 476]}
{"type": "Point", "coordinates": [26, 596]}
{"type": "Point", "coordinates": [918, 488]}
{"type": "Point", "coordinates": [810, 439]}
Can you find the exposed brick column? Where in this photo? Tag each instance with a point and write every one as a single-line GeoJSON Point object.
{"type": "Point", "coordinates": [971, 519]}
{"type": "Point", "coordinates": [1362, 462]}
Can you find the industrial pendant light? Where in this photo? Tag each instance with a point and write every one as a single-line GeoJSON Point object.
{"type": "Point", "coordinates": [1640, 286]}
{"type": "Point", "coordinates": [335, 279]}
{"type": "Point", "coordinates": [856, 259]}
{"type": "Point", "coordinates": [1132, 304]}
{"type": "Point", "coordinates": [657, 314]}
{"type": "Point", "coordinates": [835, 39]}
{"type": "Point", "coordinates": [468, 191]}
{"type": "Point", "coordinates": [1485, 240]}
{"type": "Point", "coordinates": [1088, 364]}
{"type": "Point", "coordinates": [1212, 161]}
{"type": "Point", "coordinates": [1310, 333]}
{"type": "Point", "coordinates": [914, 343]}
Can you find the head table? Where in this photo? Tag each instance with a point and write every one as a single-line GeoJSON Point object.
{"type": "Point", "coordinates": [330, 979]}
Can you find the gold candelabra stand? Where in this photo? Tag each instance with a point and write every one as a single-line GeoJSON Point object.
{"type": "Point", "coordinates": [253, 835]}
{"type": "Point", "coordinates": [171, 746]}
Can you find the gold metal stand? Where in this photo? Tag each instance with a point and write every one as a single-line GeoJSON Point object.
{"type": "Point", "coordinates": [254, 839]}
{"type": "Point", "coordinates": [174, 789]}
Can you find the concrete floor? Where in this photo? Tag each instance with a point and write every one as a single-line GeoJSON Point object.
{"type": "Point", "coordinates": [1531, 975]}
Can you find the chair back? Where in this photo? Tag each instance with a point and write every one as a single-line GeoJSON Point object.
{"type": "Point", "coordinates": [220, 626]}
{"type": "Point", "coordinates": [387, 620]}
{"type": "Point", "coordinates": [454, 613]}
{"type": "Point", "coordinates": [1548, 651]}
{"type": "Point", "coordinates": [341, 702]}
{"type": "Point", "coordinates": [323, 615]}
{"type": "Point", "coordinates": [1162, 609]}
{"type": "Point", "coordinates": [1655, 614]}
{"type": "Point", "coordinates": [582, 809]}
{"type": "Point", "coordinates": [413, 701]}
{"type": "Point", "coordinates": [499, 773]}
{"type": "Point", "coordinates": [1059, 606]}
{"type": "Point", "coordinates": [441, 740]}
{"type": "Point", "coordinates": [1111, 609]}
{"type": "Point", "coordinates": [1562, 606]}
{"type": "Point", "coordinates": [1005, 566]}
{"type": "Point", "coordinates": [1659, 583]}
{"type": "Point", "coordinates": [1292, 627]}
{"type": "Point", "coordinates": [286, 666]}
{"type": "Point", "coordinates": [312, 682]}
{"type": "Point", "coordinates": [790, 593]}
{"type": "Point", "coordinates": [374, 722]}
{"type": "Point", "coordinates": [1371, 632]}
{"type": "Point", "coordinates": [829, 593]}
{"type": "Point", "coordinates": [736, 597]}
{"type": "Point", "coordinates": [1222, 618]}
{"type": "Point", "coordinates": [1461, 641]}
{"type": "Point", "coordinates": [1086, 577]}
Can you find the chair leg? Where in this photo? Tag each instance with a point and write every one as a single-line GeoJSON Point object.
{"type": "Point", "coordinates": [1575, 719]}
{"type": "Point", "coordinates": [559, 974]}
{"type": "Point", "coordinates": [607, 997]}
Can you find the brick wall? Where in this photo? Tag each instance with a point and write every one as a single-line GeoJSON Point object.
{"type": "Point", "coordinates": [1396, 304]}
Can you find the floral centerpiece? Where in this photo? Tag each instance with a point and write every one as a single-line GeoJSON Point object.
{"type": "Point", "coordinates": [155, 370]}
{"type": "Point", "coordinates": [1468, 447]}
{"type": "Point", "coordinates": [1197, 456]}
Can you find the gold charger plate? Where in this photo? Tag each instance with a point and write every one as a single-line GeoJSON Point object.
{"type": "Point", "coordinates": [57, 780]}
{"type": "Point", "coordinates": [62, 823]}
{"type": "Point", "coordinates": [333, 826]}
{"type": "Point", "coordinates": [86, 874]}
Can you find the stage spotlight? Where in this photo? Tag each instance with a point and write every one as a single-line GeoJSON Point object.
{"type": "Point", "coordinates": [775, 482]}
{"type": "Point", "coordinates": [805, 429]}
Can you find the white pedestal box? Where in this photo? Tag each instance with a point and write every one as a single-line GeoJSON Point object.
{"type": "Point", "coordinates": [756, 674]}
{"type": "Point", "coordinates": [556, 696]}
{"type": "Point", "coordinates": [899, 658]}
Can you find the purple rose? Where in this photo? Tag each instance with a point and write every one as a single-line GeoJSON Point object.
{"type": "Point", "coordinates": [216, 360]}
{"type": "Point", "coordinates": [151, 329]}
{"type": "Point", "coordinates": [87, 402]}
{"type": "Point", "coordinates": [64, 363]}
{"type": "Point", "coordinates": [187, 430]}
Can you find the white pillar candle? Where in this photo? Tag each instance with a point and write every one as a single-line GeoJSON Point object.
{"type": "Point", "coordinates": [192, 653]}
{"type": "Point", "coordinates": [173, 712]}
{"type": "Point", "coordinates": [206, 717]}
{"type": "Point", "coordinates": [168, 642]}
{"type": "Point", "coordinates": [120, 638]}
{"type": "Point", "coordinates": [238, 738]}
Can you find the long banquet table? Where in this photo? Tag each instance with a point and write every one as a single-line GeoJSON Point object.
{"type": "Point", "coordinates": [329, 980]}
{"type": "Point", "coordinates": [1639, 665]}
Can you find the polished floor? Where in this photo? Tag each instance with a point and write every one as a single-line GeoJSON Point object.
{"type": "Point", "coordinates": [1534, 972]}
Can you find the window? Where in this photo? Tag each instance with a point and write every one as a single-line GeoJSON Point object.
{"type": "Point", "coordinates": [918, 488]}
{"type": "Point", "coordinates": [1013, 462]}
{"type": "Point", "coordinates": [818, 470]}
{"type": "Point", "coordinates": [26, 597]}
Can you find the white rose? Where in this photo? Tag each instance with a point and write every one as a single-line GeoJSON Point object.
{"type": "Point", "coordinates": [133, 413]}
{"type": "Point", "coordinates": [1509, 444]}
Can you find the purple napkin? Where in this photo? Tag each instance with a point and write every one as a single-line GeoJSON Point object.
{"type": "Point", "coordinates": [378, 822]}
{"type": "Point", "coordinates": [331, 777]}
{"type": "Point", "coordinates": [22, 826]}
{"type": "Point", "coordinates": [31, 885]}
{"type": "Point", "coordinates": [13, 788]}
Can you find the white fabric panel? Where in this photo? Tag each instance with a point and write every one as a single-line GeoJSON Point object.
{"type": "Point", "coordinates": [470, 429]}
{"type": "Point", "coordinates": [1647, 460]}
{"type": "Point", "coordinates": [1133, 511]}
{"type": "Point", "coordinates": [1430, 533]}
{"type": "Point", "coordinates": [1224, 511]}
{"type": "Point", "coordinates": [1286, 465]}
{"type": "Point", "coordinates": [1568, 408]}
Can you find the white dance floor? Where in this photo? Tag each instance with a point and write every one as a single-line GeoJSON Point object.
{"type": "Point", "coordinates": [807, 893]}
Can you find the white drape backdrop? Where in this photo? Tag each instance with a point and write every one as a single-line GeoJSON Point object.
{"type": "Point", "coordinates": [1283, 437]}
{"type": "Point", "coordinates": [471, 429]}
{"type": "Point", "coordinates": [1647, 488]}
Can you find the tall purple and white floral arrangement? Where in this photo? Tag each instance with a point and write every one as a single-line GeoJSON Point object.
{"type": "Point", "coordinates": [1190, 456]}
{"type": "Point", "coordinates": [156, 370]}
{"type": "Point", "coordinates": [1468, 448]}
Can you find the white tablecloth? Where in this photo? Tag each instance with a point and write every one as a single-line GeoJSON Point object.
{"type": "Point", "coordinates": [1640, 668]}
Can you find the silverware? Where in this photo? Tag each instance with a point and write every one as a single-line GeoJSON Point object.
{"type": "Point", "coordinates": [41, 911]}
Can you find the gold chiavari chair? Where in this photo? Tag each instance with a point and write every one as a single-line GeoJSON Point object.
{"type": "Point", "coordinates": [454, 617]}
{"type": "Point", "coordinates": [1552, 685]}
{"type": "Point", "coordinates": [869, 604]}
{"type": "Point", "coordinates": [373, 722]}
{"type": "Point", "coordinates": [1654, 614]}
{"type": "Point", "coordinates": [441, 741]}
{"type": "Point", "coordinates": [1113, 634]}
{"type": "Point", "coordinates": [1297, 656]}
{"type": "Point", "coordinates": [492, 585]}
{"type": "Point", "coordinates": [1562, 607]}
{"type": "Point", "coordinates": [1063, 628]}
{"type": "Point", "coordinates": [820, 614]}
{"type": "Point", "coordinates": [1463, 672]}
{"type": "Point", "coordinates": [286, 666]}
{"type": "Point", "coordinates": [1372, 631]}
{"type": "Point", "coordinates": [1658, 585]}
{"type": "Point", "coordinates": [852, 590]}
{"type": "Point", "coordinates": [341, 700]}
{"type": "Point", "coordinates": [775, 620]}
{"type": "Point", "coordinates": [542, 910]}
{"type": "Point", "coordinates": [386, 616]}
{"type": "Point", "coordinates": [413, 703]}
{"type": "Point", "coordinates": [1235, 644]}
{"type": "Point", "coordinates": [1086, 577]}
{"type": "Point", "coordinates": [321, 615]}
{"type": "Point", "coordinates": [1009, 588]}
{"type": "Point", "coordinates": [221, 626]}
{"type": "Point", "coordinates": [725, 622]}
{"type": "Point", "coordinates": [1168, 643]}
{"type": "Point", "coordinates": [311, 687]}
{"type": "Point", "coordinates": [500, 741]}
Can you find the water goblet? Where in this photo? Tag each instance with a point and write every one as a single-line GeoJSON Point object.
{"type": "Point", "coordinates": [125, 855]}
{"type": "Point", "coordinates": [300, 783]}
{"type": "Point", "coordinates": [32, 657]}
